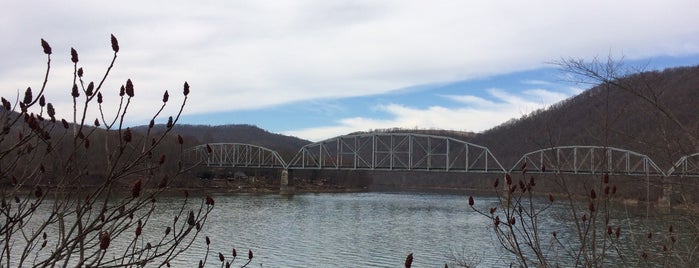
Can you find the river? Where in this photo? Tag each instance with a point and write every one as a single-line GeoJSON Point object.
{"type": "Point", "coordinates": [356, 230]}
{"type": "Point", "coordinates": [375, 229]}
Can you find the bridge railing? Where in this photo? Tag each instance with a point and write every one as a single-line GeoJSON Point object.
{"type": "Point", "coordinates": [587, 160]}
{"type": "Point", "coordinates": [396, 151]}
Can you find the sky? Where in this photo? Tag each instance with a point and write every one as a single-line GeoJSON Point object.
{"type": "Point", "coordinates": [316, 69]}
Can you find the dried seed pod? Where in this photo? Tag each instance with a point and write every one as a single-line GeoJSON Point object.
{"type": "Point", "coordinates": [508, 179]}
{"type": "Point", "coordinates": [209, 200]}
{"type": "Point", "coordinates": [166, 96]}
{"type": "Point", "coordinates": [208, 149]}
{"type": "Point", "coordinates": [220, 257]}
{"type": "Point", "coordinates": [186, 89]}
{"type": "Point", "coordinates": [139, 228]}
{"type": "Point", "coordinates": [136, 188]}
{"type": "Point", "coordinates": [97, 122]}
{"type": "Point", "coordinates": [169, 122]}
{"type": "Point", "coordinates": [208, 241]}
{"type": "Point", "coordinates": [129, 88]}
{"type": "Point", "coordinates": [6, 104]}
{"type": "Point", "coordinates": [80, 72]}
{"type": "Point", "coordinates": [90, 89]}
{"type": "Point", "coordinates": [65, 123]}
{"type": "Point", "coordinates": [190, 218]}
{"type": "Point", "coordinates": [550, 198]}
{"type": "Point", "coordinates": [42, 101]}
{"type": "Point", "coordinates": [74, 91]}
{"type": "Point", "coordinates": [235, 254]}
{"type": "Point", "coordinates": [50, 111]}
{"type": "Point", "coordinates": [408, 260]}
{"type": "Point", "coordinates": [99, 97]}
{"type": "Point", "coordinates": [127, 135]}
{"type": "Point", "coordinates": [122, 91]}
{"type": "Point", "coordinates": [73, 55]}
{"type": "Point", "coordinates": [496, 183]}
{"type": "Point", "coordinates": [104, 240]}
{"type": "Point", "coordinates": [167, 230]}
{"type": "Point", "coordinates": [470, 200]}
{"type": "Point", "coordinates": [46, 47]}
{"type": "Point", "coordinates": [591, 207]}
{"type": "Point", "coordinates": [162, 159]}
{"type": "Point", "coordinates": [180, 140]}
{"type": "Point", "coordinates": [115, 44]}
{"type": "Point", "coordinates": [28, 96]}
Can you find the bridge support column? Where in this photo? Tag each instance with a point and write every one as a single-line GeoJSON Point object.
{"type": "Point", "coordinates": [664, 199]}
{"type": "Point", "coordinates": [284, 187]}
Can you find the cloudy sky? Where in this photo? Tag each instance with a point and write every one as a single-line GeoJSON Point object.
{"type": "Point", "coordinates": [317, 69]}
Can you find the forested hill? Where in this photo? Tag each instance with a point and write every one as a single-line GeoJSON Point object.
{"type": "Point", "coordinates": [653, 113]}
{"type": "Point", "coordinates": [287, 146]}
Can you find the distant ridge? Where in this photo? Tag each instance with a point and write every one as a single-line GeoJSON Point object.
{"type": "Point", "coordinates": [610, 116]}
{"type": "Point", "coordinates": [287, 146]}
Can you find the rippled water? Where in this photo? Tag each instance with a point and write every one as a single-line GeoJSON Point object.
{"type": "Point", "coordinates": [349, 230]}
{"type": "Point", "coordinates": [371, 230]}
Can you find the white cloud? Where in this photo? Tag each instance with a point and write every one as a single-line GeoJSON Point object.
{"type": "Point", "coordinates": [476, 114]}
{"type": "Point", "coordinates": [254, 54]}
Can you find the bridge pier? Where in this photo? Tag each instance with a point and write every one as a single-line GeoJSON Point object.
{"type": "Point", "coordinates": [664, 200]}
{"type": "Point", "coordinates": [284, 187]}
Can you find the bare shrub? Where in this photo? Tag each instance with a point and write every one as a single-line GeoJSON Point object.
{"type": "Point", "coordinates": [83, 193]}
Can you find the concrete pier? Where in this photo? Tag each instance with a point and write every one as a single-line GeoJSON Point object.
{"type": "Point", "coordinates": [284, 187]}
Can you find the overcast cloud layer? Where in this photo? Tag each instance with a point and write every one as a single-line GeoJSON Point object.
{"type": "Point", "coordinates": [242, 55]}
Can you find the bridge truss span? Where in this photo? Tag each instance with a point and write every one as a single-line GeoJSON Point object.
{"type": "Point", "coordinates": [686, 166]}
{"type": "Point", "coordinates": [587, 160]}
{"type": "Point", "coordinates": [396, 151]}
{"type": "Point", "coordinates": [234, 155]}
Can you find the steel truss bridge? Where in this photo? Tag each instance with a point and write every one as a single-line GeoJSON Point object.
{"type": "Point", "coordinates": [416, 152]}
